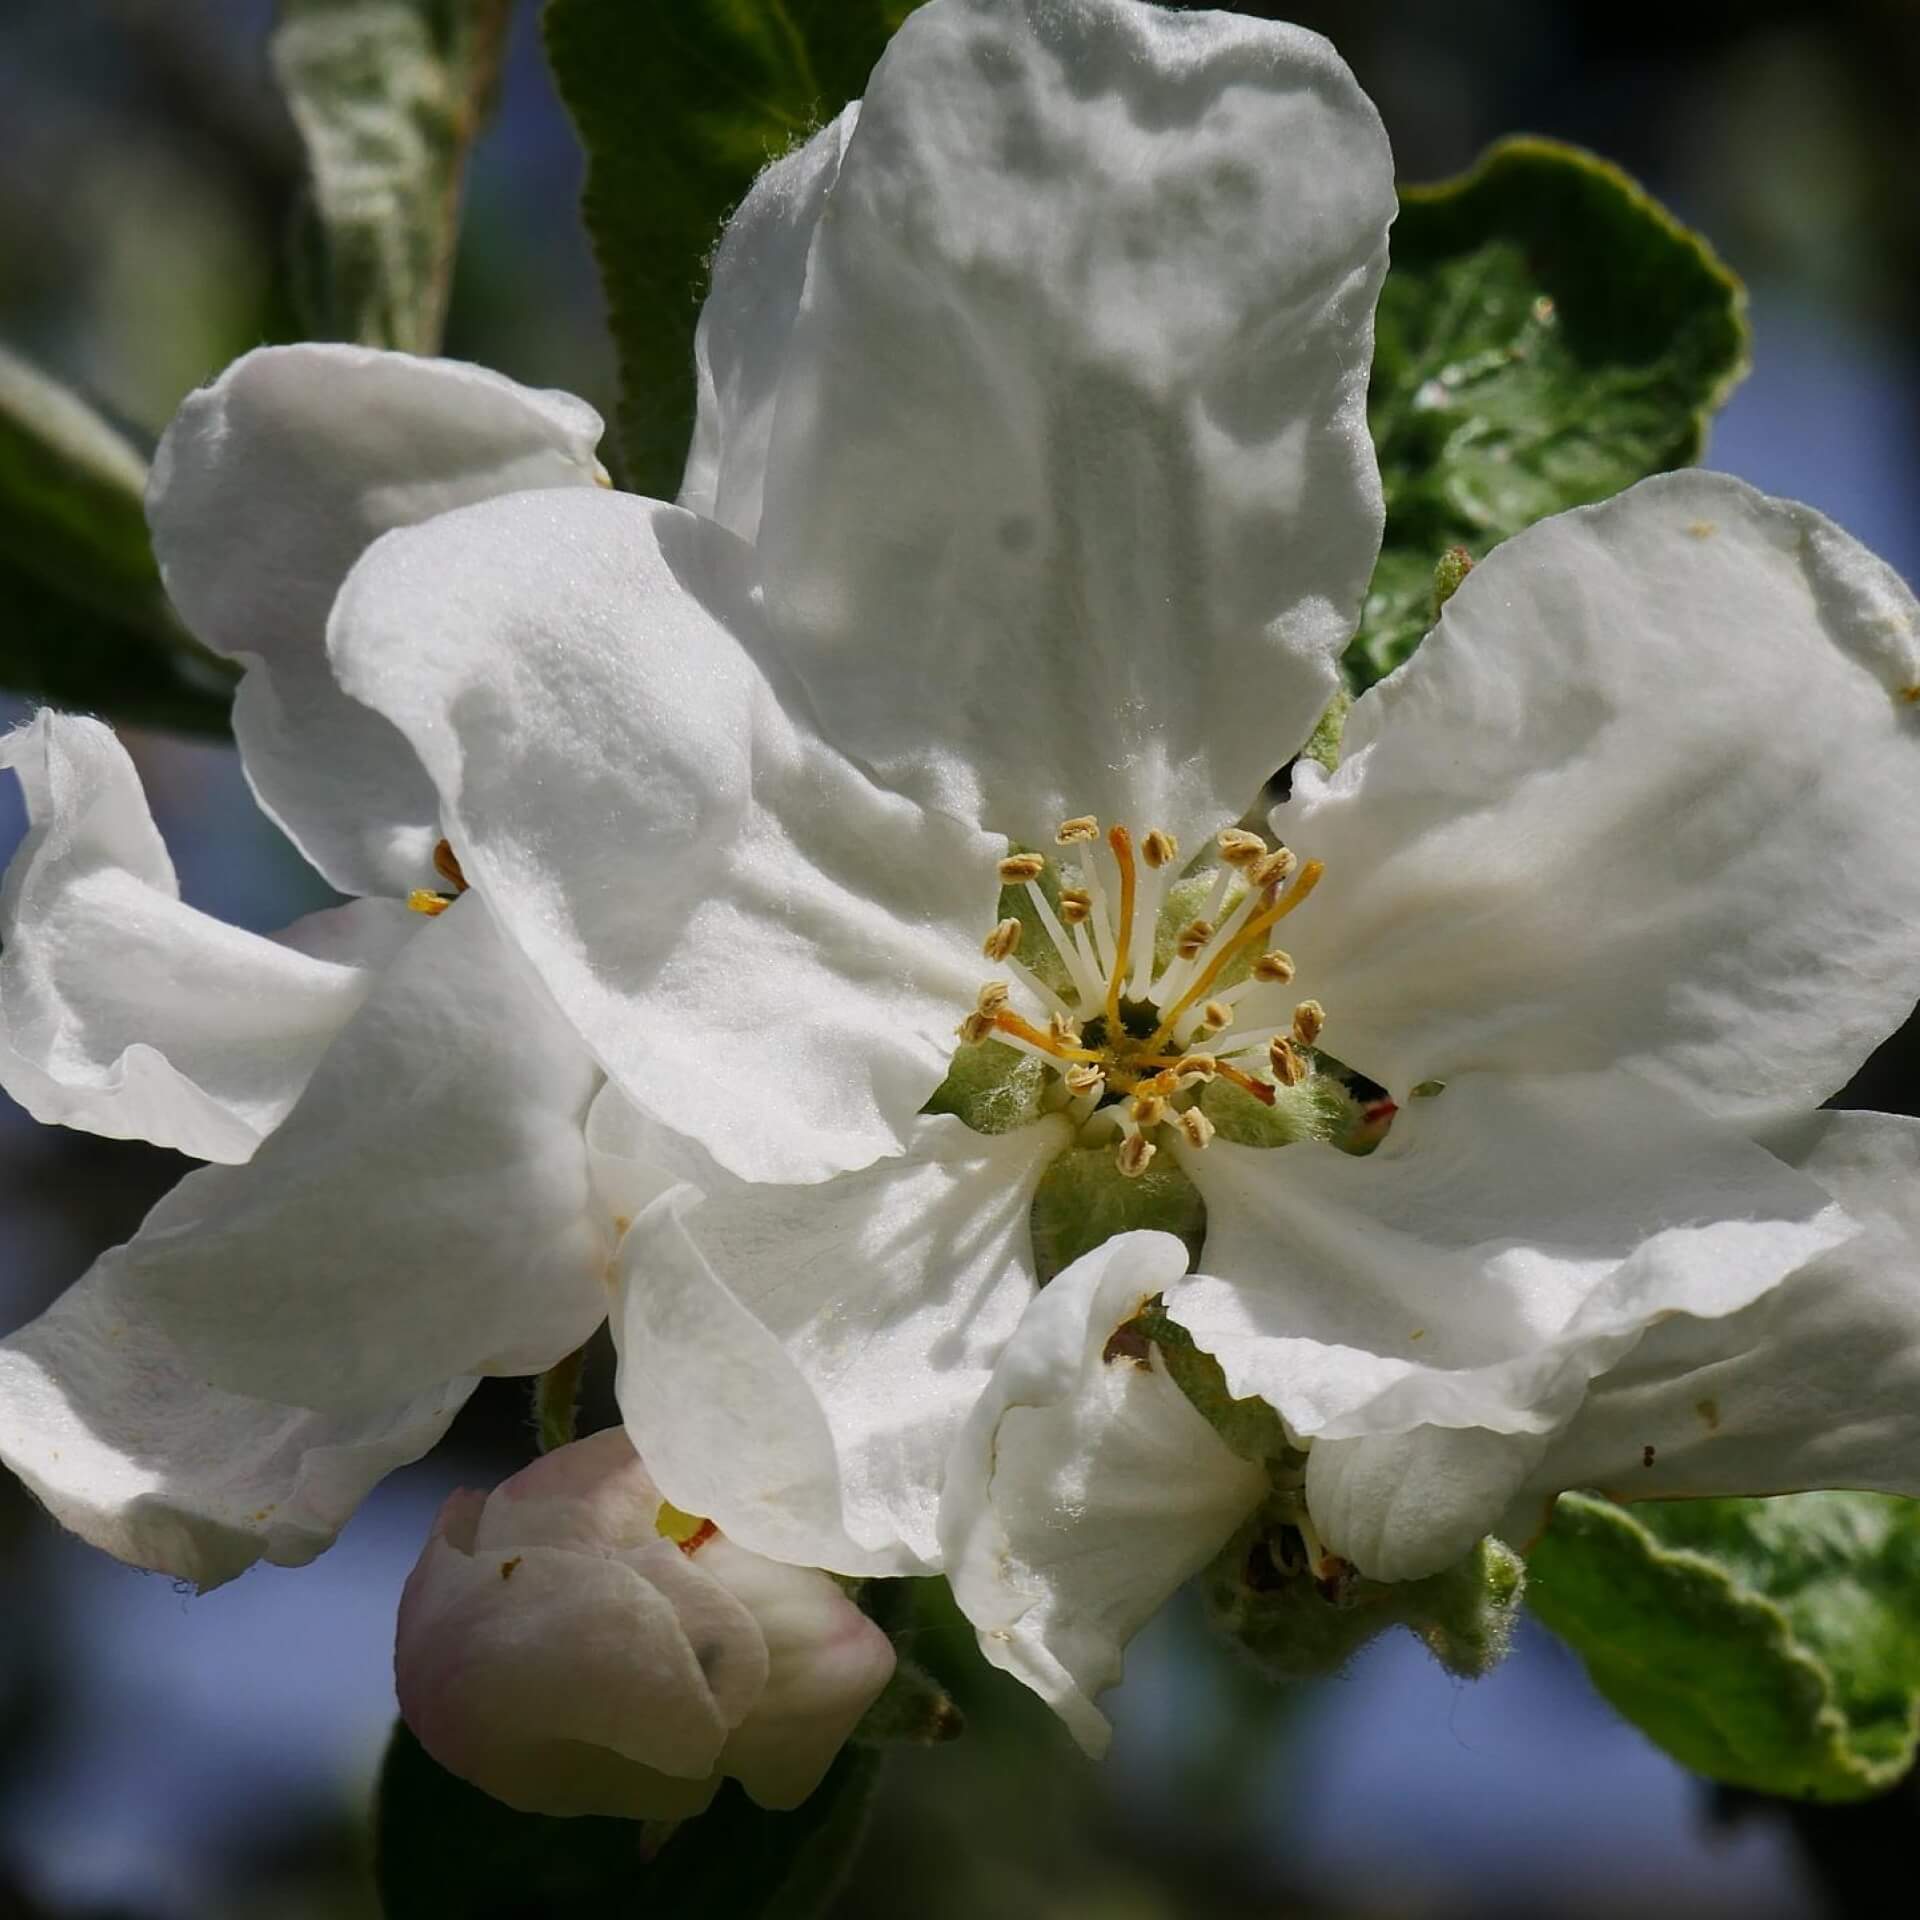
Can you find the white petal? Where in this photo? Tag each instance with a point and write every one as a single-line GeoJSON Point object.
{"type": "Point", "coordinates": [826, 1664]}
{"type": "Point", "coordinates": [424, 1211]}
{"type": "Point", "coordinates": [795, 1361]}
{"type": "Point", "coordinates": [1404, 1505]}
{"type": "Point", "coordinates": [1084, 1490]}
{"type": "Point", "coordinates": [1512, 1237]}
{"type": "Point", "coordinates": [740, 346]}
{"type": "Point", "coordinates": [1643, 797]}
{"type": "Point", "coordinates": [1070, 501]}
{"type": "Point", "coordinates": [1816, 1385]}
{"type": "Point", "coordinates": [124, 1011]}
{"type": "Point", "coordinates": [117, 1433]}
{"type": "Point", "coordinates": [266, 488]}
{"type": "Point", "coordinates": [765, 950]}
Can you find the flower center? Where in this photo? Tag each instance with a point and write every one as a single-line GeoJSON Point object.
{"type": "Point", "coordinates": [1142, 1017]}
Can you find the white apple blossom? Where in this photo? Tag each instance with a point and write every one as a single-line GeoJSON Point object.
{"type": "Point", "coordinates": [391, 1098]}
{"type": "Point", "coordinates": [574, 1644]}
{"type": "Point", "coordinates": [1031, 503]}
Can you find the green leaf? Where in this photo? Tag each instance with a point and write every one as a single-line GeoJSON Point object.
{"type": "Point", "coordinates": [388, 96]}
{"type": "Point", "coordinates": [1546, 336]}
{"type": "Point", "coordinates": [443, 1850]}
{"type": "Point", "coordinates": [679, 103]}
{"type": "Point", "coordinates": [87, 623]}
{"type": "Point", "coordinates": [1772, 1644]}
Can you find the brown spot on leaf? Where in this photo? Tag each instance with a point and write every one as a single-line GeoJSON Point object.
{"type": "Point", "coordinates": [507, 1566]}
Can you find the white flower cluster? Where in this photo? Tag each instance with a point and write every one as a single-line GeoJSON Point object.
{"type": "Point", "coordinates": [694, 846]}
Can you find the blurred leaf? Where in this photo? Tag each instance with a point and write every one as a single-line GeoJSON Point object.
{"type": "Point", "coordinates": [446, 1851]}
{"type": "Point", "coordinates": [388, 96]}
{"type": "Point", "coordinates": [679, 103]}
{"type": "Point", "coordinates": [87, 625]}
{"type": "Point", "coordinates": [1772, 1644]}
{"type": "Point", "coordinates": [1546, 336]}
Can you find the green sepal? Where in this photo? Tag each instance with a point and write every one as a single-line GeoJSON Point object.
{"type": "Point", "coordinates": [1547, 335]}
{"type": "Point", "coordinates": [1250, 1427]}
{"type": "Point", "coordinates": [1319, 1108]}
{"type": "Point", "coordinates": [87, 625]}
{"type": "Point", "coordinates": [1771, 1644]}
{"type": "Point", "coordinates": [1083, 1200]}
{"type": "Point", "coordinates": [679, 103]}
{"type": "Point", "coordinates": [388, 96]}
{"type": "Point", "coordinates": [913, 1709]}
{"type": "Point", "coordinates": [1323, 743]}
{"type": "Point", "coordinates": [992, 1088]}
{"type": "Point", "coordinates": [1263, 1596]}
{"type": "Point", "coordinates": [443, 1850]}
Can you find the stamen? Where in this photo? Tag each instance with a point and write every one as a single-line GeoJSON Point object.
{"type": "Point", "coordinates": [1086, 982]}
{"type": "Point", "coordinates": [1309, 1020]}
{"type": "Point", "coordinates": [1135, 1155]}
{"type": "Point", "coordinates": [1239, 848]}
{"type": "Point", "coordinates": [993, 996]}
{"type": "Point", "coordinates": [1147, 1109]}
{"type": "Point", "coordinates": [1063, 1027]}
{"type": "Point", "coordinates": [1288, 1068]}
{"type": "Point", "coordinates": [1158, 849]}
{"type": "Point", "coordinates": [425, 900]}
{"type": "Point", "coordinates": [1121, 841]}
{"type": "Point", "coordinates": [1005, 1022]}
{"type": "Point", "coordinates": [974, 1029]}
{"type": "Point", "coordinates": [1075, 904]}
{"type": "Point", "coordinates": [1084, 1079]}
{"type": "Point", "coordinates": [1017, 868]}
{"type": "Point", "coordinates": [1195, 1126]}
{"type": "Point", "coordinates": [1215, 1018]}
{"type": "Point", "coordinates": [1004, 940]}
{"type": "Point", "coordinates": [1303, 885]}
{"type": "Point", "coordinates": [1192, 937]}
{"type": "Point", "coordinates": [1275, 870]}
{"type": "Point", "coordinates": [1035, 985]}
{"type": "Point", "coordinates": [1083, 826]}
{"type": "Point", "coordinates": [1274, 967]}
{"type": "Point", "coordinates": [1100, 920]}
{"type": "Point", "coordinates": [448, 867]}
{"type": "Point", "coordinates": [1245, 1082]}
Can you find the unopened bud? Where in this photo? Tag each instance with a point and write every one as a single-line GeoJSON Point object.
{"type": "Point", "coordinates": [558, 1614]}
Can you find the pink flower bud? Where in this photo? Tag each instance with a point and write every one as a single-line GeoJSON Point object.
{"type": "Point", "coordinates": [562, 1648]}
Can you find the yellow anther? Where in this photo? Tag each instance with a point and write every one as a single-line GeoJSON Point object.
{"type": "Point", "coordinates": [974, 1028]}
{"type": "Point", "coordinates": [1288, 1068]}
{"type": "Point", "coordinates": [1135, 1155]}
{"type": "Point", "coordinates": [425, 900]}
{"type": "Point", "coordinates": [1003, 940]}
{"type": "Point", "coordinates": [1083, 826]}
{"type": "Point", "coordinates": [1075, 904]}
{"type": "Point", "coordinates": [1309, 1020]}
{"type": "Point", "coordinates": [1216, 1016]}
{"type": "Point", "coordinates": [1192, 937]}
{"type": "Point", "coordinates": [1239, 848]}
{"type": "Point", "coordinates": [1196, 1067]}
{"type": "Point", "coordinates": [1274, 967]}
{"type": "Point", "coordinates": [993, 996]}
{"type": "Point", "coordinates": [1018, 868]}
{"type": "Point", "coordinates": [1147, 1109]}
{"type": "Point", "coordinates": [1195, 1127]}
{"type": "Point", "coordinates": [1083, 1080]}
{"type": "Point", "coordinates": [448, 867]}
{"type": "Point", "coordinates": [1159, 849]}
{"type": "Point", "coordinates": [1274, 869]}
